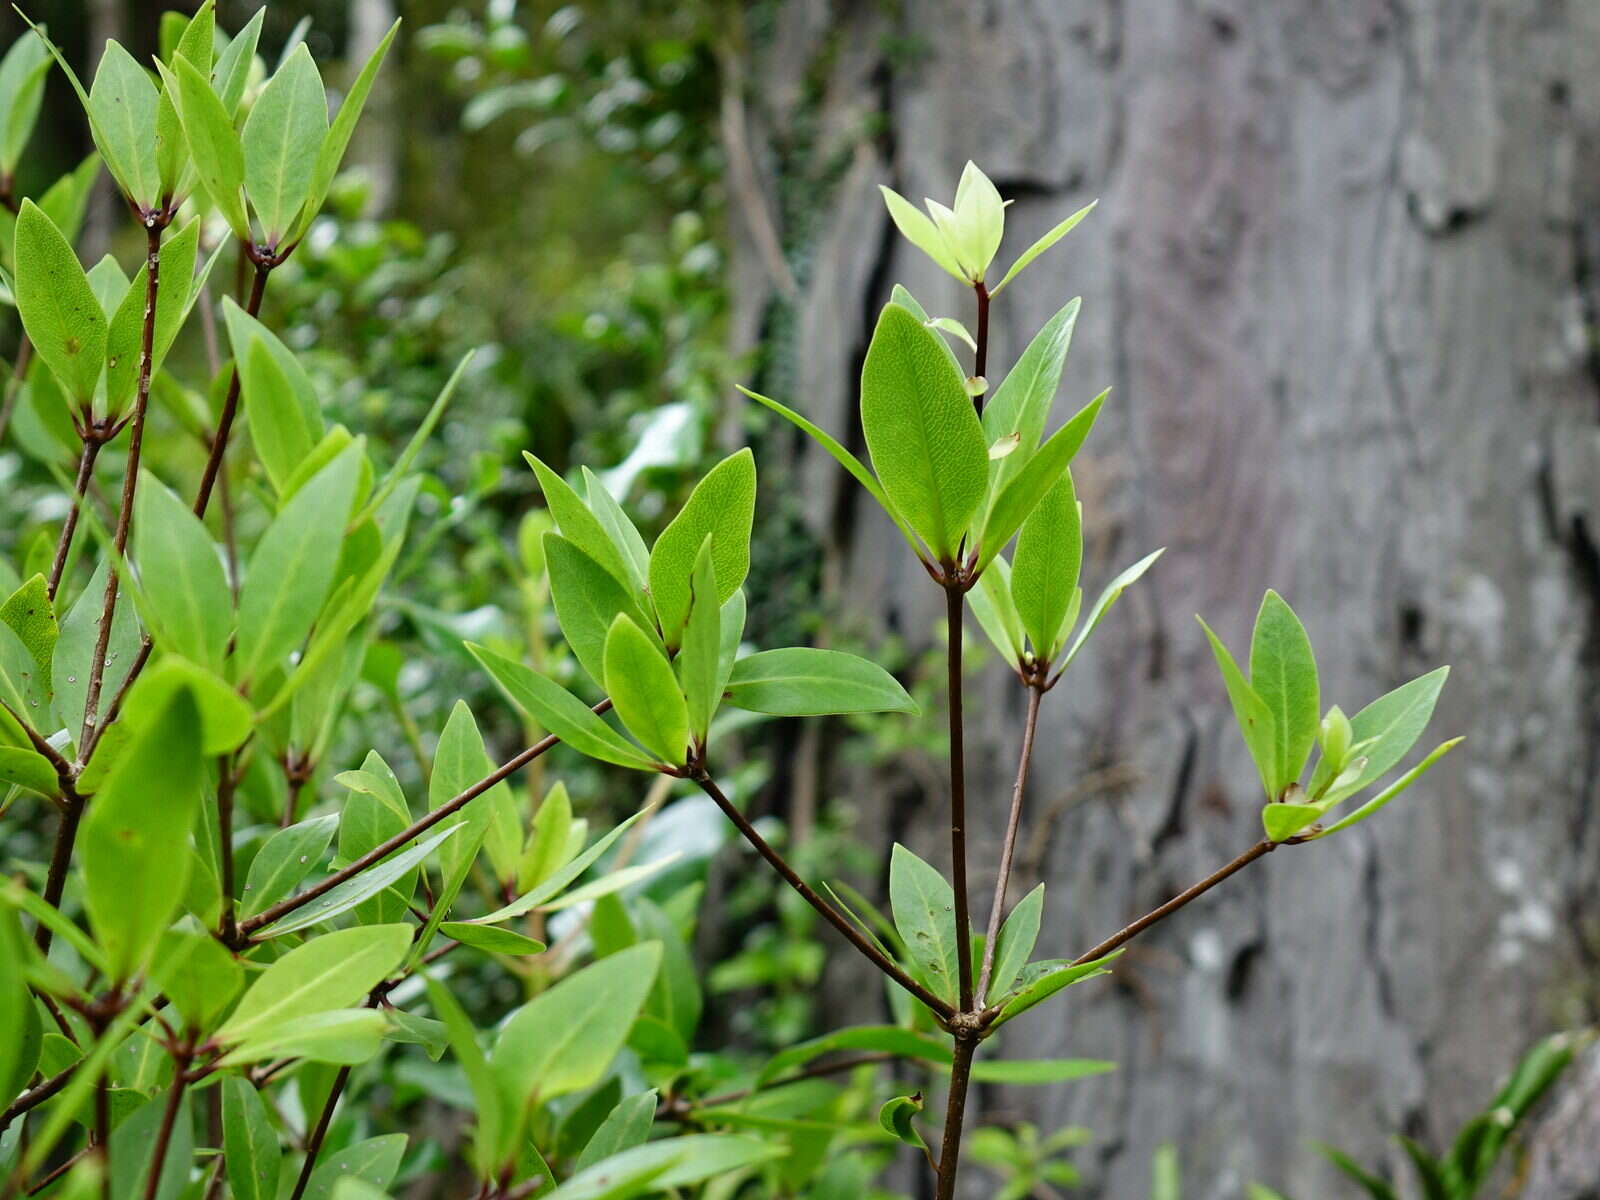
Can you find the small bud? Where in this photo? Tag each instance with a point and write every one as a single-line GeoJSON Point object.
{"type": "Point", "coordinates": [1335, 738]}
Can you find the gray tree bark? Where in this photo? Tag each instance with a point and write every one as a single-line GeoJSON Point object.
{"type": "Point", "coordinates": [1340, 277]}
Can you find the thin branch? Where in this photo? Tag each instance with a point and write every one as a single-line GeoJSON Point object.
{"type": "Point", "coordinates": [227, 781]}
{"type": "Point", "coordinates": [169, 1119]}
{"type": "Point", "coordinates": [230, 405]}
{"type": "Point", "coordinates": [130, 483]}
{"type": "Point", "coordinates": [314, 1143]}
{"type": "Point", "coordinates": [675, 1108]}
{"type": "Point", "coordinates": [1128, 932]}
{"type": "Point", "coordinates": [55, 882]}
{"type": "Point", "coordinates": [955, 1114]}
{"type": "Point", "coordinates": [980, 363]}
{"type": "Point", "coordinates": [958, 797]}
{"type": "Point", "coordinates": [80, 487]}
{"type": "Point", "coordinates": [34, 1097]}
{"type": "Point", "coordinates": [382, 851]}
{"type": "Point", "coordinates": [1009, 847]}
{"type": "Point", "coordinates": [832, 915]}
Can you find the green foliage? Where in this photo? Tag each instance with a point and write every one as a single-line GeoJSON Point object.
{"type": "Point", "coordinates": [234, 909]}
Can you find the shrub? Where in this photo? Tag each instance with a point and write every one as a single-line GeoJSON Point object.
{"type": "Point", "coordinates": [191, 1002]}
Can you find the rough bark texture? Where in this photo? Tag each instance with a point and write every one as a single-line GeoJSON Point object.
{"type": "Point", "coordinates": [1341, 280]}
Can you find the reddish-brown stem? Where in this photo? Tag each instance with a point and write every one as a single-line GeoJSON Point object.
{"type": "Point", "coordinates": [382, 851]}
{"type": "Point", "coordinates": [102, 1133]}
{"type": "Point", "coordinates": [230, 404]}
{"type": "Point", "coordinates": [226, 782]}
{"type": "Point", "coordinates": [955, 1113]}
{"type": "Point", "coordinates": [55, 881]}
{"type": "Point", "coordinates": [1128, 932]}
{"type": "Point", "coordinates": [34, 1097]}
{"type": "Point", "coordinates": [672, 1108]}
{"type": "Point", "coordinates": [130, 483]}
{"type": "Point", "coordinates": [169, 1119]}
{"type": "Point", "coordinates": [832, 915]}
{"type": "Point", "coordinates": [80, 487]}
{"type": "Point", "coordinates": [314, 1143]}
{"type": "Point", "coordinates": [958, 797]}
{"type": "Point", "coordinates": [980, 356]}
{"type": "Point", "coordinates": [1009, 846]}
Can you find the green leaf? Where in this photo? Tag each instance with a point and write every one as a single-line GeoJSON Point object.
{"type": "Point", "coordinates": [626, 1126]}
{"type": "Point", "coordinates": [131, 1161]}
{"type": "Point", "coordinates": [234, 63]}
{"type": "Point", "coordinates": [558, 882]}
{"type": "Point", "coordinates": [918, 229]}
{"type": "Point", "coordinates": [496, 1128]}
{"type": "Point", "coordinates": [374, 1161]}
{"type": "Point", "coordinates": [924, 914]}
{"type": "Point", "coordinates": [1390, 726]}
{"type": "Point", "coordinates": [327, 973]}
{"type": "Point", "coordinates": [1376, 1188]}
{"type": "Point", "coordinates": [559, 711]}
{"type": "Point", "coordinates": [460, 760]}
{"type": "Point", "coordinates": [841, 456]}
{"type": "Point", "coordinates": [1016, 941]}
{"type": "Point", "coordinates": [563, 1040]}
{"type": "Point", "coordinates": [1394, 789]}
{"type": "Point", "coordinates": [581, 527]}
{"type": "Point", "coordinates": [723, 504]}
{"type": "Point", "coordinates": [1027, 488]}
{"type": "Point", "coordinates": [355, 891]}
{"type": "Point", "coordinates": [490, 939]}
{"type": "Point", "coordinates": [620, 529]}
{"type": "Point", "coordinates": [337, 140]}
{"type": "Point", "coordinates": [922, 431]}
{"type": "Point", "coordinates": [805, 682]}
{"type": "Point", "coordinates": [213, 143]}
{"type": "Point", "coordinates": [250, 1143]}
{"type": "Point", "coordinates": [1020, 406]}
{"type": "Point", "coordinates": [996, 612]}
{"type": "Point", "coordinates": [1035, 1072]}
{"type": "Point", "coordinates": [24, 768]}
{"type": "Point", "coordinates": [197, 974]}
{"type": "Point", "coordinates": [588, 599]}
{"type": "Point", "coordinates": [882, 1039]}
{"type": "Point", "coordinates": [1043, 244]}
{"type": "Point", "coordinates": [699, 660]}
{"type": "Point", "coordinates": [189, 607]}
{"type": "Point", "coordinates": [63, 319]}
{"type": "Point", "coordinates": [19, 1049]}
{"type": "Point", "coordinates": [1283, 821]}
{"type": "Point", "coordinates": [343, 1035]}
{"type": "Point", "coordinates": [646, 693]}
{"type": "Point", "coordinates": [285, 422]}
{"type": "Point", "coordinates": [123, 106]}
{"type": "Point", "coordinates": [1164, 1179]}
{"type": "Point", "coordinates": [282, 140]}
{"type": "Point", "coordinates": [288, 856]}
{"type": "Point", "coordinates": [1430, 1175]}
{"type": "Point", "coordinates": [897, 1118]}
{"type": "Point", "coordinates": [1113, 591]}
{"type": "Point", "coordinates": [546, 847]}
{"type": "Point", "coordinates": [1041, 980]}
{"type": "Point", "coordinates": [1044, 572]}
{"type": "Point", "coordinates": [22, 76]}
{"type": "Point", "coordinates": [678, 1162]}
{"type": "Point", "coordinates": [142, 812]}
{"type": "Point", "coordinates": [29, 614]}
{"type": "Point", "coordinates": [1256, 721]}
{"type": "Point", "coordinates": [1283, 672]}
{"type": "Point", "coordinates": [293, 565]}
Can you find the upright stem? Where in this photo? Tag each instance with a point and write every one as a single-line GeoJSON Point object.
{"type": "Point", "coordinates": [955, 1113]}
{"type": "Point", "coordinates": [80, 488]}
{"type": "Point", "coordinates": [55, 882]}
{"type": "Point", "coordinates": [102, 1134]}
{"type": "Point", "coordinates": [980, 365]}
{"type": "Point", "coordinates": [1009, 847]}
{"type": "Point", "coordinates": [958, 799]}
{"type": "Point", "coordinates": [225, 788]}
{"type": "Point", "coordinates": [230, 405]}
{"type": "Point", "coordinates": [314, 1143]}
{"type": "Point", "coordinates": [169, 1119]}
{"type": "Point", "coordinates": [130, 482]}
{"type": "Point", "coordinates": [835, 918]}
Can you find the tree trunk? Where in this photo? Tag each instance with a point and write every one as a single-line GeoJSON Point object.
{"type": "Point", "coordinates": [1340, 278]}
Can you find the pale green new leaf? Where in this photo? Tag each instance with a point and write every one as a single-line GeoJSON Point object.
{"type": "Point", "coordinates": [897, 1116]}
{"type": "Point", "coordinates": [123, 106]}
{"type": "Point", "coordinates": [588, 599]}
{"type": "Point", "coordinates": [1043, 244]}
{"type": "Point", "coordinates": [918, 229]}
{"type": "Point", "coordinates": [559, 711]}
{"type": "Point", "coordinates": [563, 1040]}
{"type": "Point", "coordinates": [63, 319]}
{"type": "Point", "coordinates": [1044, 570]}
{"type": "Point", "coordinates": [997, 613]}
{"type": "Point", "coordinates": [1283, 672]}
{"type": "Point", "coordinates": [622, 531]}
{"type": "Point", "coordinates": [327, 973]}
{"type": "Point", "coordinates": [678, 1162]}
{"type": "Point", "coordinates": [922, 432]}
{"type": "Point", "coordinates": [1041, 980]}
{"type": "Point", "coordinates": [233, 65]}
{"type": "Point", "coordinates": [1394, 789]}
{"type": "Point", "coordinates": [343, 1035]}
{"type": "Point", "coordinates": [22, 76]}
{"type": "Point", "coordinates": [1016, 940]}
{"type": "Point", "coordinates": [557, 883]}
{"type": "Point", "coordinates": [293, 565]}
{"type": "Point", "coordinates": [1037, 1072]}
{"type": "Point", "coordinates": [580, 526]}
{"type": "Point", "coordinates": [802, 681]}
{"type": "Point", "coordinates": [645, 692]}
{"type": "Point", "coordinates": [1021, 405]}
{"type": "Point", "coordinates": [282, 139]}
{"type": "Point", "coordinates": [1108, 597]}
{"type": "Point", "coordinates": [699, 661]}
{"type": "Point", "coordinates": [723, 505]}
{"type": "Point", "coordinates": [188, 605]}
{"type": "Point", "coordinates": [1026, 489]}
{"type": "Point", "coordinates": [490, 938]}
{"type": "Point", "coordinates": [924, 914]}
{"type": "Point", "coordinates": [1389, 726]}
{"type": "Point", "coordinates": [125, 336]}
{"type": "Point", "coordinates": [1256, 721]}
{"type": "Point", "coordinates": [213, 143]}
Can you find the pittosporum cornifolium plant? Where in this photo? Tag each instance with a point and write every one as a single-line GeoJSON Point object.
{"type": "Point", "coordinates": [217, 949]}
